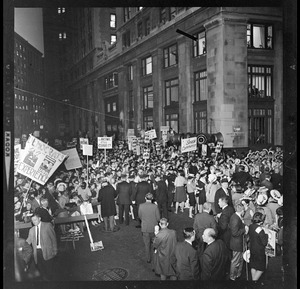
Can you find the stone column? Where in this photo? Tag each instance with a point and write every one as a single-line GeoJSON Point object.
{"type": "Point", "coordinates": [227, 103]}
{"type": "Point", "coordinates": [185, 84]}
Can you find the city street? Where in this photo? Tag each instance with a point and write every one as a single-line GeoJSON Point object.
{"type": "Point", "coordinates": [123, 258]}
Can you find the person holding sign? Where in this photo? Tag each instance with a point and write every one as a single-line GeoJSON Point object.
{"type": "Point", "coordinates": [258, 242]}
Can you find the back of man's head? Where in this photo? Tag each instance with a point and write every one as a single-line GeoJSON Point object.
{"type": "Point", "coordinates": [207, 207]}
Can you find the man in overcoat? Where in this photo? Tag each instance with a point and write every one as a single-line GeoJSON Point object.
{"type": "Point", "coordinates": [187, 263]}
{"type": "Point", "coordinates": [238, 230]}
{"type": "Point", "coordinates": [216, 257]}
{"type": "Point", "coordinates": [164, 245]}
{"type": "Point", "coordinates": [142, 188]}
{"type": "Point", "coordinates": [149, 216]}
{"type": "Point", "coordinates": [223, 220]}
{"type": "Point", "coordinates": [124, 193]}
{"type": "Point", "coordinates": [106, 198]}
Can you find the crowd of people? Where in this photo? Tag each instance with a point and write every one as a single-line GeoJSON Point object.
{"type": "Point", "coordinates": [231, 198]}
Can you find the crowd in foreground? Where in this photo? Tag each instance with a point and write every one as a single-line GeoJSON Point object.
{"type": "Point", "coordinates": [230, 198]}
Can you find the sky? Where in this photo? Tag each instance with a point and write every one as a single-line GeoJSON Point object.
{"type": "Point", "coordinates": [29, 24]}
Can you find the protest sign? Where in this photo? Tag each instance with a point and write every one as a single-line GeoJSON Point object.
{"type": "Point", "coordinates": [83, 141]}
{"type": "Point", "coordinates": [73, 160]}
{"type": "Point", "coordinates": [105, 142]}
{"type": "Point", "coordinates": [188, 144]}
{"type": "Point", "coordinates": [218, 147]}
{"type": "Point", "coordinates": [87, 150]}
{"type": "Point", "coordinates": [130, 132]}
{"type": "Point", "coordinates": [17, 141]}
{"type": "Point", "coordinates": [146, 154]}
{"type": "Point", "coordinates": [151, 133]}
{"type": "Point", "coordinates": [17, 155]}
{"type": "Point", "coordinates": [204, 150]}
{"type": "Point", "coordinates": [270, 249]}
{"type": "Point", "coordinates": [146, 139]}
{"type": "Point", "coordinates": [39, 160]}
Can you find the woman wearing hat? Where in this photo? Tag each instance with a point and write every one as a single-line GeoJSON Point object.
{"type": "Point", "coordinates": [258, 241]}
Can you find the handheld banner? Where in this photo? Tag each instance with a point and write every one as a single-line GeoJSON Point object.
{"type": "Point", "coordinates": [204, 150]}
{"type": "Point", "coordinates": [73, 160]}
{"type": "Point", "coordinates": [17, 155]}
{"type": "Point", "coordinates": [188, 144]}
{"type": "Point", "coordinates": [151, 134]}
{"type": "Point", "coordinates": [147, 139]}
{"type": "Point", "coordinates": [83, 141]}
{"type": "Point", "coordinates": [87, 150]}
{"type": "Point", "coordinates": [39, 160]}
{"type": "Point", "coordinates": [105, 142]}
{"type": "Point", "coordinates": [270, 249]}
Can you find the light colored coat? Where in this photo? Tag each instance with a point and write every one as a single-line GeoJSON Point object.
{"type": "Point", "coordinates": [47, 239]}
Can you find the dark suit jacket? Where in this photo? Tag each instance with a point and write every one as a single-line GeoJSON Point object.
{"type": "Point", "coordinates": [187, 264]}
{"type": "Point", "coordinates": [149, 215]}
{"type": "Point", "coordinates": [106, 197]}
{"type": "Point", "coordinates": [124, 193]}
{"type": "Point", "coordinates": [223, 225]}
{"type": "Point", "coordinates": [215, 261]}
{"type": "Point", "coordinates": [161, 192]}
{"type": "Point", "coordinates": [203, 221]}
{"type": "Point", "coordinates": [164, 243]}
{"type": "Point", "coordinates": [142, 189]}
{"type": "Point", "coordinates": [237, 229]}
{"type": "Point", "coordinates": [48, 241]}
{"type": "Point", "coordinates": [219, 194]}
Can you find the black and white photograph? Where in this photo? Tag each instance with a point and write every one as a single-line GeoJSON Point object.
{"type": "Point", "coordinates": [154, 147]}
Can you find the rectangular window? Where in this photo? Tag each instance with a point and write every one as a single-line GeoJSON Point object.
{"type": "Point", "coordinates": [260, 126]}
{"type": "Point", "coordinates": [127, 13]}
{"type": "Point", "coordinates": [112, 20]}
{"type": "Point", "coordinates": [260, 36]}
{"type": "Point", "coordinates": [147, 26]}
{"type": "Point", "coordinates": [147, 66]}
{"type": "Point", "coordinates": [126, 38]}
{"type": "Point", "coordinates": [111, 80]}
{"type": "Point", "coordinates": [172, 12]}
{"type": "Point", "coordinates": [130, 72]}
{"type": "Point", "coordinates": [114, 106]}
{"type": "Point", "coordinates": [200, 86]}
{"type": "Point", "coordinates": [130, 101]}
{"type": "Point", "coordinates": [148, 121]}
{"type": "Point", "coordinates": [259, 82]}
{"type": "Point", "coordinates": [163, 15]}
{"type": "Point", "coordinates": [108, 107]}
{"type": "Point", "coordinates": [199, 46]}
{"type": "Point", "coordinates": [113, 38]}
{"type": "Point", "coordinates": [148, 97]}
{"type": "Point", "coordinates": [172, 91]}
{"type": "Point", "coordinates": [172, 120]}
{"type": "Point", "coordinates": [140, 29]}
{"type": "Point", "coordinates": [170, 56]}
{"type": "Point", "coordinates": [201, 121]}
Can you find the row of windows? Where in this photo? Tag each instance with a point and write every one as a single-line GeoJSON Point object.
{"type": "Point", "coordinates": [22, 48]}
{"type": "Point", "coordinates": [259, 83]}
{"type": "Point", "coordinates": [128, 12]}
{"type": "Point", "coordinates": [259, 36]}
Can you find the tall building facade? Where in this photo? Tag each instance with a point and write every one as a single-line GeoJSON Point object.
{"type": "Point", "coordinates": [29, 103]}
{"type": "Point", "coordinates": [139, 71]}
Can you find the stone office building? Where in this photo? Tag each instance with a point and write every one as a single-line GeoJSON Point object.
{"type": "Point", "coordinates": [29, 103]}
{"type": "Point", "coordinates": [224, 76]}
